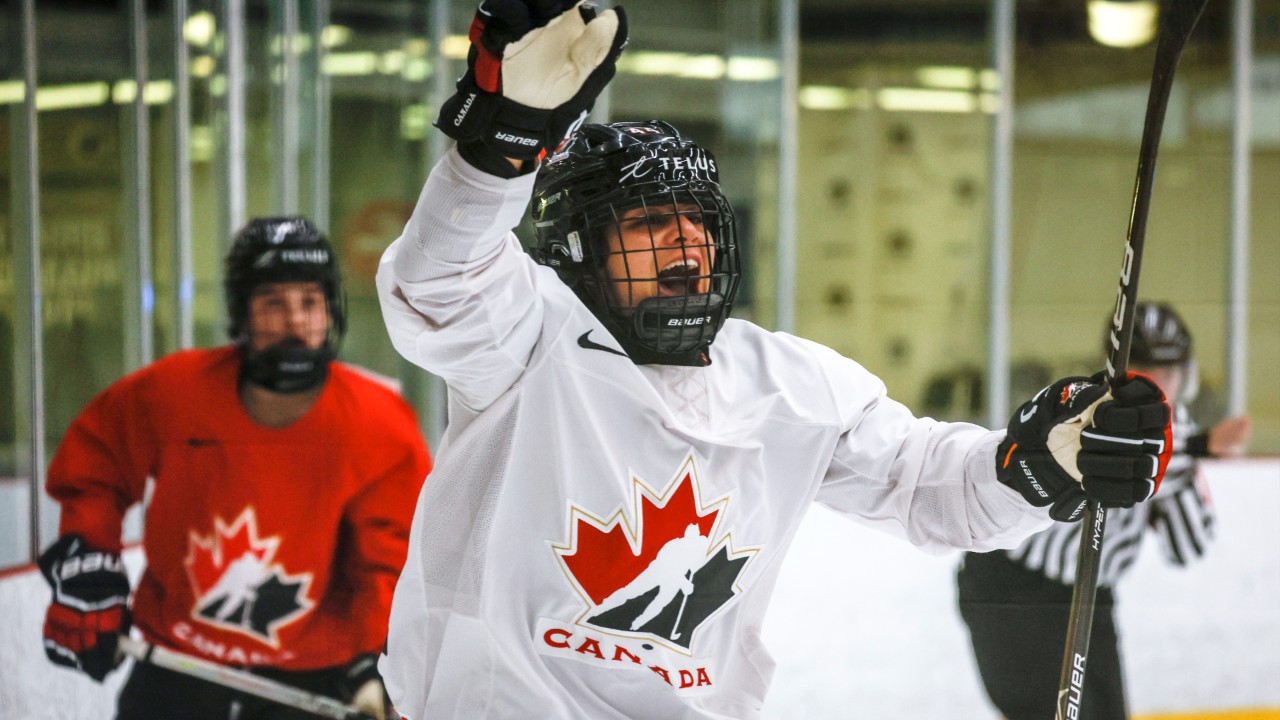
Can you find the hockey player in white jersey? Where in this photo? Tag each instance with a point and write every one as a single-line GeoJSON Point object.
{"type": "Point", "coordinates": [603, 405]}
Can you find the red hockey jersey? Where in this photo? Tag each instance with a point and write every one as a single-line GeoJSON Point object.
{"type": "Point", "coordinates": [264, 547]}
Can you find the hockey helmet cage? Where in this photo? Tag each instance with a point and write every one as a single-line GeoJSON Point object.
{"type": "Point", "coordinates": [281, 249]}
{"type": "Point", "coordinates": [596, 176]}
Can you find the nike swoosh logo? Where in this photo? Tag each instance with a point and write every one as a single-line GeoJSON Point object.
{"type": "Point", "coordinates": [585, 341]}
{"type": "Point", "coordinates": [1025, 416]}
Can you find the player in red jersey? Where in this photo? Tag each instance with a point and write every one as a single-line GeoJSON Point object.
{"type": "Point", "coordinates": [280, 487]}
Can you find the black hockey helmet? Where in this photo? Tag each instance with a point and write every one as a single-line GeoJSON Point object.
{"type": "Point", "coordinates": [1160, 337]}
{"type": "Point", "coordinates": [598, 174]}
{"type": "Point", "coordinates": [281, 249]}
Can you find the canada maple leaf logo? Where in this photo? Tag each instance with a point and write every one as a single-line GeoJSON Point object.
{"type": "Point", "coordinates": [661, 572]}
{"type": "Point", "coordinates": [237, 585]}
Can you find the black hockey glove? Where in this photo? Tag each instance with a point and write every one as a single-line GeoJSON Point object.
{"type": "Point", "coordinates": [90, 607]}
{"type": "Point", "coordinates": [533, 72]}
{"type": "Point", "coordinates": [1074, 442]}
{"type": "Point", "coordinates": [361, 685]}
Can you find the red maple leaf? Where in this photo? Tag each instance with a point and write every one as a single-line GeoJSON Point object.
{"type": "Point", "coordinates": [208, 557]}
{"type": "Point", "coordinates": [607, 555]}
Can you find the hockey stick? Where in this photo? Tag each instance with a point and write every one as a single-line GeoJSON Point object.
{"type": "Point", "coordinates": [1178, 20]}
{"type": "Point", "coordinates": [245, 682]}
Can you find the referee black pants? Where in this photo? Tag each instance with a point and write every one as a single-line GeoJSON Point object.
{"type": "Point", "coordinates": [1017, 622]}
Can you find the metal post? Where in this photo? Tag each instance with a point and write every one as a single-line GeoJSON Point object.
{"type": "Point", "coordinates": [320, 154]}
{"type": "Point", "coordinates": [1241, 164]}
{"type": "Point", "coordinates": [1002, 41]}
{"type": "Point", "coordinates": [286, 108]}
{"type": "Point", "coordinates": [28, 296]}
{"type": "Point", "coordinates": [184, 276]}
{"type": "Point", "coordinates": [234, 210]}
{"type": "Point", "coordinates": [139, 323]}
{"type": "Point", "coordinates": [789, 40]}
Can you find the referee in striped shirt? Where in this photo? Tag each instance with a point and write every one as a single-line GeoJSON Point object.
{"type": "Point", "coordinates": [1016, 602]}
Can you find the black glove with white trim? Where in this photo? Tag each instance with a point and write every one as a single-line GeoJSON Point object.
{"type": "Point", "coordinates": [1074, 442]}
{"type": "Point", "coordinates": [533, 72]}
{"type": "Point", "coordinates": [90, 607]}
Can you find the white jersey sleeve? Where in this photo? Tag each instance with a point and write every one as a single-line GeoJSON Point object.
{"type": "Point", "coordinates": [932, 483]}
{"type": "Point", "coordinates": [458, 266]}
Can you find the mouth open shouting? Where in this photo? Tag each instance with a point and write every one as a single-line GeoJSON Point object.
{"type": "Point", "coordinates": [660, 251]}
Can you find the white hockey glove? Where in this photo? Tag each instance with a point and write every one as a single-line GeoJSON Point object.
{"type": "Point", "coordinates": [1074, 442]}
{"type": "Point", "coordinates": [533, 72]}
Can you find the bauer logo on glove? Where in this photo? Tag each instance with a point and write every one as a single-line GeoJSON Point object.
{"type": "Point", "coordinates": [1075, 441]}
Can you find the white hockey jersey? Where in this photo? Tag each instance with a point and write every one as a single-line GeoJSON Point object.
{"type": "Point", "coordinates": [600, 539]}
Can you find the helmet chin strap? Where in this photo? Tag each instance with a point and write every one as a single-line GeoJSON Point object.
{"type": "Point", "coordinates": [286, 368]}
{"type": "Point", "coordinates": [677, 325]}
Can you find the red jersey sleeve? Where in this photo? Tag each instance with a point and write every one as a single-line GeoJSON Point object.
{"type": "Point", "coordinates": [375, 534]}
{"type": "Point", "coordinates": [101, 466]}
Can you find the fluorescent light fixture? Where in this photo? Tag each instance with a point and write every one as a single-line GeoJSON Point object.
{"type": "Point", "coordinates": [831, 97]}
{"type": "Point", "coordinates": [62, 97]}
{"type": "Point", "coordinates": [989, 80]}
{"type": "Point", "coordinates": [199, 28]}
{"type": "Point", "coordinates": [202, 143]}
{"type": "Point", "coordinates": [218, 85]}
{"type": "Point", "coordinates": [947, 77]}
{"type": "Point", "coordinates": [335, 36]}
{"type": "Point", "coordinates": [702, 67]}
{"type": "Point", "coordinates": [744, 68]}
{"type": "Point", "coordinates": [350, 63]}
{"type": "Point", "coordinates": [416, 70]}
{"type": "Point", "coordinates": [391, 62]}
{"type": "Point", "coordinates": [12, 91]}
{"type": "Point", "coordinates": [157, 92]}
{"type": "Point", "coordinates": [415, 47]}
{"type": "Point", "coordinates": [301, 43]}
{"type": "Point", "coordinates": [203, 66]}
{"type": "Point", "coordinates": [989, 103]}
{"type": "Point", "coordinates": [898, 99]}
{"type": "Point", "coordinates": [644, 62]}
{"type": "Point", "coordinates": [455, 47]}
{"type": "Point", "coordinates": [1123, 24]}
{"type": "Point", "coordinates": [415, 121]}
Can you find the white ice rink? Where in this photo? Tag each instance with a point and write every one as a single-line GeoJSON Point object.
{"type": "Point", "coordinates": [864, 626]}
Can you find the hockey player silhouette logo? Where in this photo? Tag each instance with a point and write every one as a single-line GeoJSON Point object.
{"type": "Point", "coordinates": [236, 584]}
{"type": "Point", "coordinates": [659, 573]}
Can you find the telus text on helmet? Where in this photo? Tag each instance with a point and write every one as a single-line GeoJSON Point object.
{"type": "Point", "coordinates": [312, 255]}
{"type": "Point", "coordinates": [695, 166]}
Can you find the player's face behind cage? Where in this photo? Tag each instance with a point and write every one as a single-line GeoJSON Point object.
{"type": "Point", "coordinates": [288, 313]}
{"type": "Point", "coordinates": [667, 263]}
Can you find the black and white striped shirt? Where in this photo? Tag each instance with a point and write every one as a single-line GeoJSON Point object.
{"type": "Point", "coordinates": [1181, 516]}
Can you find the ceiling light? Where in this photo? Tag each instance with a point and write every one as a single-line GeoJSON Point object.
{"type": "Point", "coordinates": [1123, 24]}
{"type": "Point", "coordinates": [199, 28]}
{"type": "Point", "coordinates": [335, 36]}
{"type": "Point", "coordinates": [947, 77]}
{"type": "Point", "coordinates": [350, 63]}
{"type": "Point", "coordinates": [831, 97]}
{"type": "Point", "coordinates": [12, 91]}
{"type": "Point", "coordinates": [917, 100]}
{"type": "Point", "coordinates": [61, 97]}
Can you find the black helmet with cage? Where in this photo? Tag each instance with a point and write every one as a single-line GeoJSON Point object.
{"type": "Point", "coordinates": [282, 249]}
{"type": "Point", "coordinates": [602, 173]}
{"type": "Point", "coordinates": [1161, 339]}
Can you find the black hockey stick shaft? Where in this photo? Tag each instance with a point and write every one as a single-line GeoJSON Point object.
{"type": "Point", "coordinates": [245, 682]}
{"type": "Point", "coordinates": [1178, 19]}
